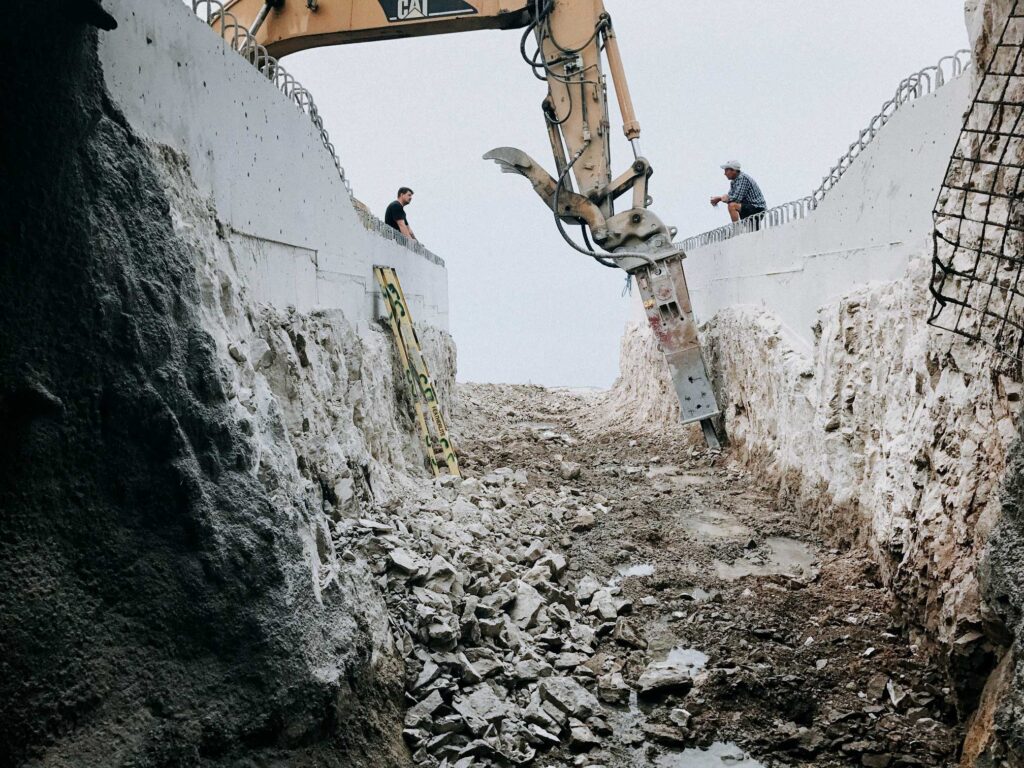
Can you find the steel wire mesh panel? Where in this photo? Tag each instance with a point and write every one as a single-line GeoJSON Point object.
{"type": "Point", "coordinates": [979, 215]}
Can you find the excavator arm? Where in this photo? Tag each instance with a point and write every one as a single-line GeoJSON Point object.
{"type": "Point", "coordinates": [570, 39]}
{"type": "Point", "coordinates": [288, 26]}
{"type": "Point", "coordinates": [566, 44]}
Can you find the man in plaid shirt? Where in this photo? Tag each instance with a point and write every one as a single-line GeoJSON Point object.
{"type": "Point", "coordinates": [744, 198]}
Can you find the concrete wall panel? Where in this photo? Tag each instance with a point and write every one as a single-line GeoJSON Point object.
{"type": "Point", "coordinates": [867, 229]}
{"type": "Point", "coordinates": [258, 156]}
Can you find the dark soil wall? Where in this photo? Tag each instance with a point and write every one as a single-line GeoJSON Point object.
{"type": "Point", "coordinates": [155, 609]}
{"type": "Point", "coordinates": [1000, 720]}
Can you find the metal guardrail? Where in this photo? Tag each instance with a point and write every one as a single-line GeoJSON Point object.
{"type": "Point", "coordinates": [238, 38]}
{"type": "Point", "coordinates": [377, 226]}
{"type": "Point", "coordinates": [919, 84]}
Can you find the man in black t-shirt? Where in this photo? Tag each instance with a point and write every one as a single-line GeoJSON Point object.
{"type": "Point", "coordinates": [395, 215]}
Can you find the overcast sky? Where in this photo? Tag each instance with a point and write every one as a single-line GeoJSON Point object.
{"type": "Point", "coordinates": [783, 86]}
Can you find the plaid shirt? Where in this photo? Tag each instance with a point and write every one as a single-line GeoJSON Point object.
{"type": "Point", "coordinates": [744, 189]}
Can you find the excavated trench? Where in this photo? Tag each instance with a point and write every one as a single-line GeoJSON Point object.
{"type": "Point", "coordinates": [217, 546]}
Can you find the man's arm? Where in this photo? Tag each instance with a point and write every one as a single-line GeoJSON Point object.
{"type": "Point", "coordinates": [403, 227]}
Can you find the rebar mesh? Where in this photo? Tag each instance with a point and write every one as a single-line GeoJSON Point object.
{"type": "Point", "coordinates": [979, 217]}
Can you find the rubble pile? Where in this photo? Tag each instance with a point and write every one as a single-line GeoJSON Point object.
{"type": "Point", "coordinates": [594, 598]}
{"type": "Point", "coordinates": [499, 640]}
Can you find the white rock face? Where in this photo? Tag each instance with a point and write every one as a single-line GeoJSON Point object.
{"type": "Point", "coordinates": [326, 408]}
{"type": "Point", "coordinates": [893, 434]}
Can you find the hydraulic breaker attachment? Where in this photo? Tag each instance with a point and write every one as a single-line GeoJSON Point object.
{"type": "Point", "coordinates": [667, 304]}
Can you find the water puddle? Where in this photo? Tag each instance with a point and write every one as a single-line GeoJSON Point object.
{"type": "Point", "coordinates": [696, 594]}
{"type": "Point", "coordinates": [688, 658]}
{"type": "Point", "coordinates": [778, 556]}
{"type": "Point", "coordinates": [716, 525]}
{"type": "Point", "coordinates": [717, 755]}
{"type": "Point", "coordinates": [637, 570]}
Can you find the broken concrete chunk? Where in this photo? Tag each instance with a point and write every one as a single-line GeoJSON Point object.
{"type": "Point", "coordinates": [555, 562]}
{"type": "Point", "coordinates": [403, 561]}
{"type": "Point", "coordinates": [581, 738]}
{"type": "Point", "coordinates": [421, 714]}
{"type": "Point", "coordinates": [603, 605]}
{"type": "Point", "coordinates": [587, 588]}
{"type": "Point", "coordinates": [569, 470]}
{"type": "Point", "coordinates": [529, 671]}
{"type": "Point", "coordinates": [626, 635]}
{"type": "Point", "coordinates": [568, 696]}
{"type": "Point", "coordinates": [665, 677]}
{"type": "Point", "coordinates": [613, 689]}
{"type": "Point", "coordinates": [583, 521]}
{"type": "Point", "coordinates": [527, 606]}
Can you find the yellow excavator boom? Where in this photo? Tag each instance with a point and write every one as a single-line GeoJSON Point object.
{"type": "Point", "coordinates": [297, 25]}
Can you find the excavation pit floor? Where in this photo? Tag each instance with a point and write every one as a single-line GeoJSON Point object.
{"type": "Point", "coordinates": [777, 649]}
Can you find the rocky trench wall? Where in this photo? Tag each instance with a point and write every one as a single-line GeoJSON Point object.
{"type": "Point", "coordinates": [891, 435]}
{"type": "Point", "coordinates": [177, 453]}
{"type": "Point", "coordinates": [888, 436]}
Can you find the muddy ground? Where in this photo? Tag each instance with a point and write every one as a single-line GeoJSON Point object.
{"type": "Point", "coordinates": [798, 657]}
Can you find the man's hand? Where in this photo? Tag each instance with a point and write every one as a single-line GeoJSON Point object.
{"type": "Point", "coordinates": [716, 200]}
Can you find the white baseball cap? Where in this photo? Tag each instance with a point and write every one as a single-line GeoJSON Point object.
{"type": "Point", "coordinates": [734, 164]}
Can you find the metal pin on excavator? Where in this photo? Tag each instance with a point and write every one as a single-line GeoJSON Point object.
{"type": "Point", "coordinates": [572, 37]}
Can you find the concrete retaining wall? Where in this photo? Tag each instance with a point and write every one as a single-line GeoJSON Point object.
{"type": "Point", "coordinates": [867, 228]}
{"type": "Point", "coordinates": [293, 228]}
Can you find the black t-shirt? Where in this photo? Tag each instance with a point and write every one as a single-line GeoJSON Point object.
{"type": "Point", "coordinates": [395, 214]}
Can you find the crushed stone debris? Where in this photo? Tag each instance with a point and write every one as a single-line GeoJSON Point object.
{"type": "Point", "coordinates": [524, 645]}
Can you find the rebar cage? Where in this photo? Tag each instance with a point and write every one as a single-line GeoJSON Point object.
{"type": "Point", "coordinates": [979, 218]}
